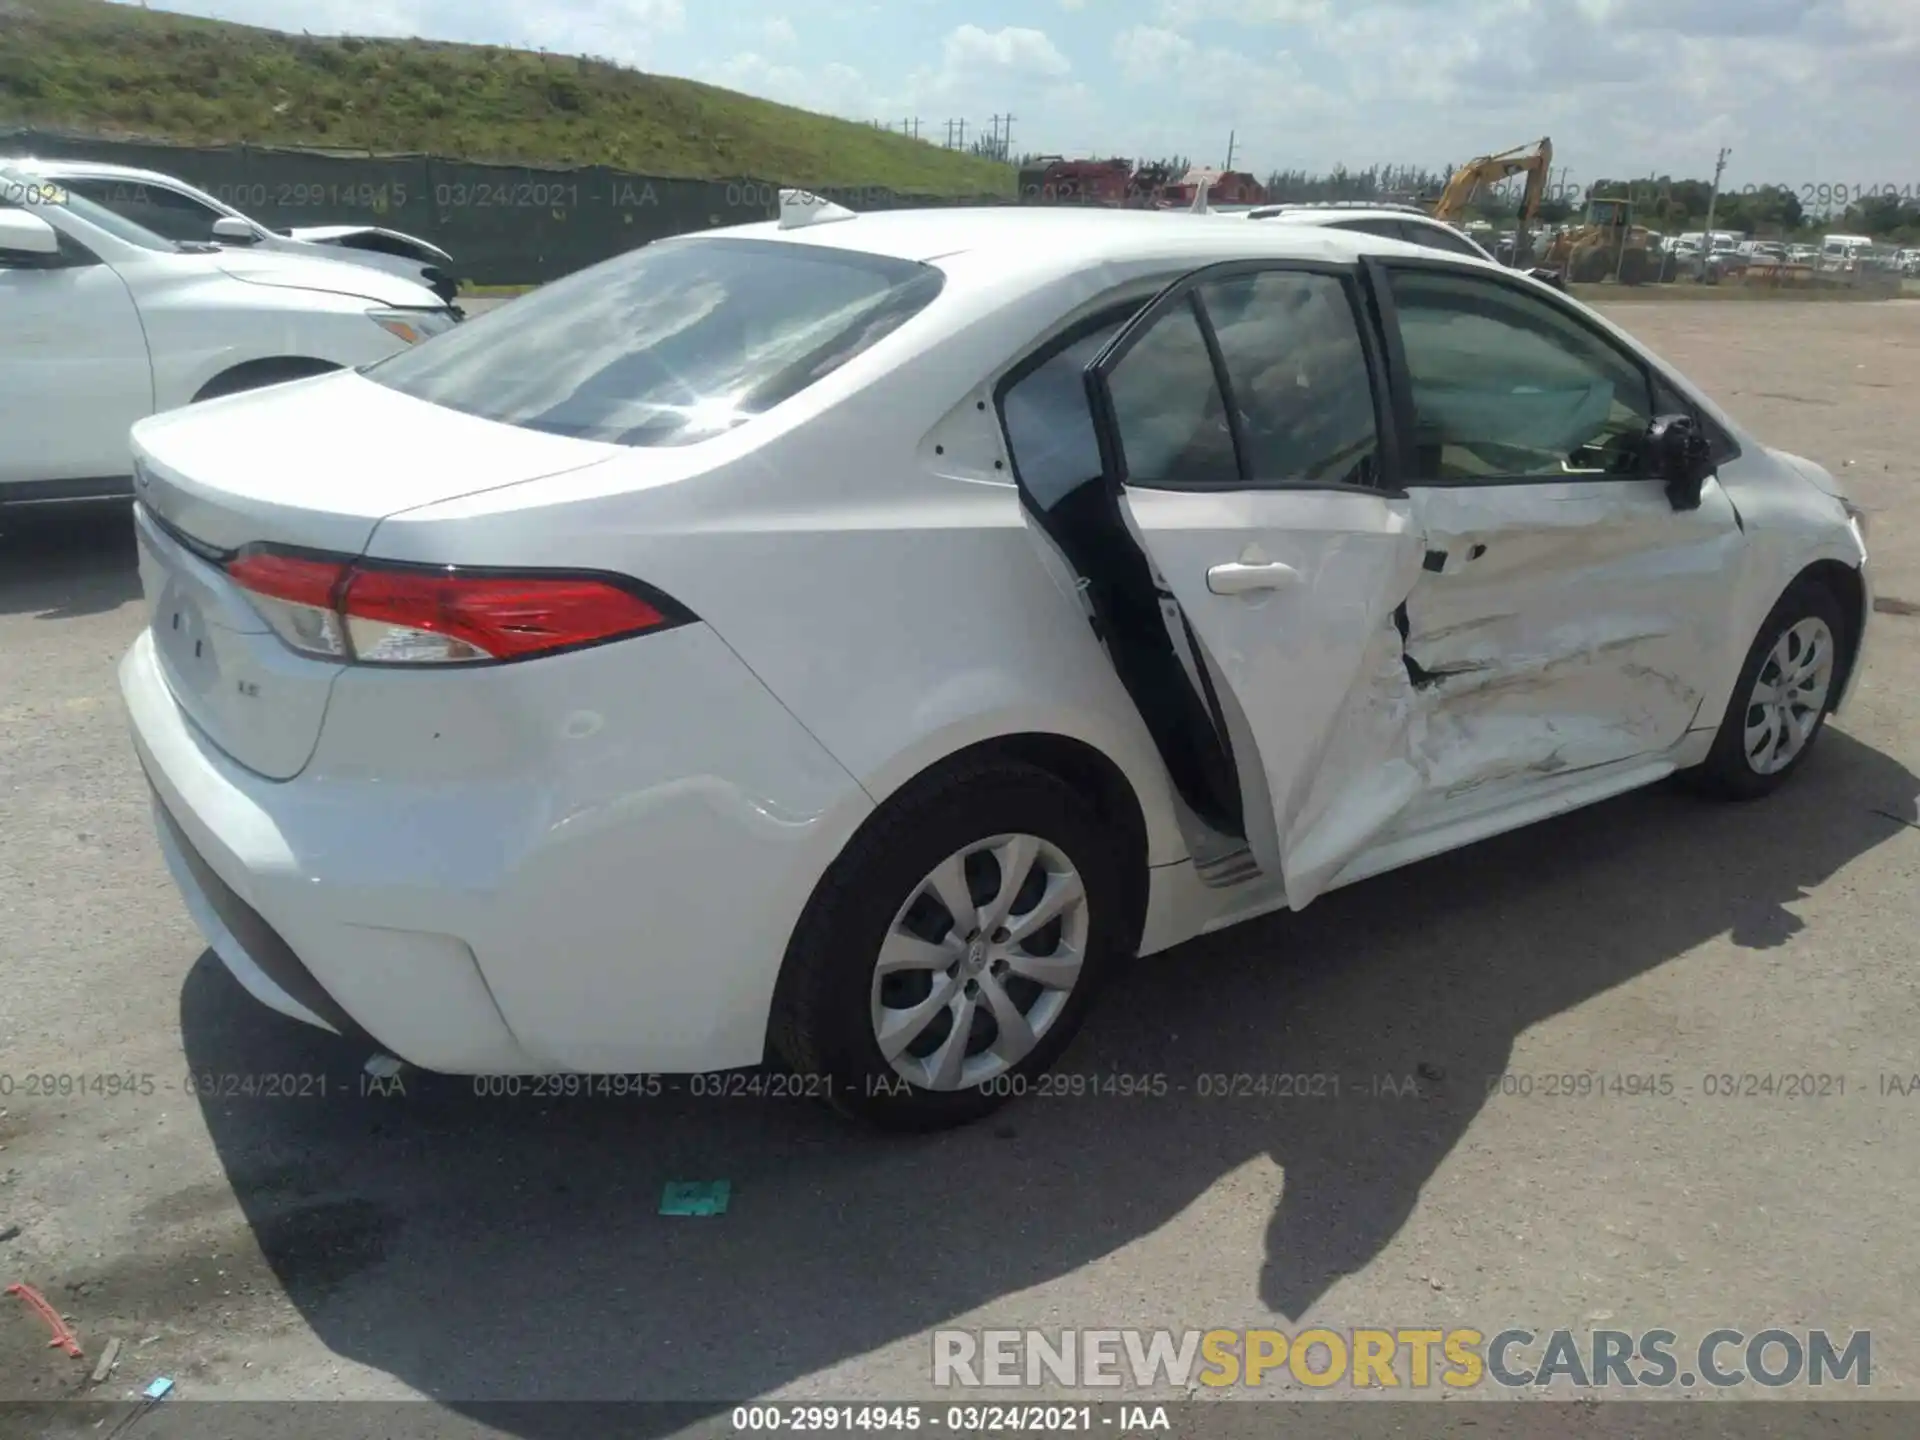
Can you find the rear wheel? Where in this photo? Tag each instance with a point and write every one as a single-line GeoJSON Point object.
{"type": "Point", "coordinates": [951, 953]}
{"type": "Point", "coordinates": [256, 373]}
{"type": "Point", "coordinates": [1780, 703]}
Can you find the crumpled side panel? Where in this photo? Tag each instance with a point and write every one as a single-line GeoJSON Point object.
{"type": "Point", "coordinates": [1566, 635]}
{"type": "Point", "coordinates": [1373, 770]}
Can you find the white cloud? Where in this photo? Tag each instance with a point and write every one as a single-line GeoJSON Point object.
{"type": "Point", "coordinates": [1013, 51]}
{"type": "Point", "coordinates": [1185, 14]}
{"type": "Point", "coordinates": [778, 33]}
{"type": "Point", "coordinates": [1147, 53]}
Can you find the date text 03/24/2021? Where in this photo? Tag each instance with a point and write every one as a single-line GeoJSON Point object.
{"type": "Point", "coordinates": [1117, 1420]}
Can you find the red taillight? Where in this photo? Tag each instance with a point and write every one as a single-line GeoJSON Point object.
{"type": "Point", "coordinates": [419, 615]}
{"type": "Point", "coordinates": [293, 578]}
{"type": "Point", "coordinates": [501, 618]}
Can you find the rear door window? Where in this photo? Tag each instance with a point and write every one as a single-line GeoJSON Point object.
{"type": "Point", "coordinates": [667, 345]}
{"type": "Point", "coordinates": [1290, 343]}
{"type": "Point", "coordinates": [1375, 225]}
{"type": "Point", "coordinates": [1439, 237]}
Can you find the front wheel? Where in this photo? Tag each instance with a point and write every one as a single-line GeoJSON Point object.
{"type": "Point", "coordinates": [1780, 703]}
{"type": "Point", "coordinates": [952, 951]}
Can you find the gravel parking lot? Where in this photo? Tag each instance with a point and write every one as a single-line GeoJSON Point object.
{"type": "Point", "coordinates": [431, 1242]}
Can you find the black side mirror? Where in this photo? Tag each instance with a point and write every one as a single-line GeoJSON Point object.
{"type": "Point", "coordinates": [1680, 455]}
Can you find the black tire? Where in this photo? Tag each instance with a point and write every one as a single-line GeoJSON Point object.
{"type": "Point", "coordinates": [822, 1022]}
{"type": "Point", "coordinates": [1590, 266]}
{"type": "Point", "coordinates": [1728, 773]}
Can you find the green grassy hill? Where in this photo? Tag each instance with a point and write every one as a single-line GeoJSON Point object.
{"type": "Point", "coordinates": [120, 71]}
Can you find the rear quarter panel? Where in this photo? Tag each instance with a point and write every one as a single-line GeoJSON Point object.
{"type": "Point", "coordinates": [863, 550]}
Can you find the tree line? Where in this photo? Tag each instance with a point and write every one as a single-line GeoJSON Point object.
{"type": "Point", "coordinates": [1667, 204]}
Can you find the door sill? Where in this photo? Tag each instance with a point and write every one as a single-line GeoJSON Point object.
{"type": "Point", "coordinates": [1226, 871]}
{"type": "Point", "coordinates": [1576, 793]}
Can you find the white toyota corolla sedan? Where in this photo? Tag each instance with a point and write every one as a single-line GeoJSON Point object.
{"type": "Point", "coordinates": [843, 638]}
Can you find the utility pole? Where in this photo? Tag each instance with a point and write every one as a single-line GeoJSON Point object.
{"type": "Point", "coordinates": [1232, 135]}
{"type": "Point", "coordinates": [1713, 198]}
{"type": "Point", "coordinates": [1002, 136]}
{"type": "Point", "coordinates": [963, 134]}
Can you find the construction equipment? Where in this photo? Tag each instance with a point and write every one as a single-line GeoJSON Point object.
{"type": "Point", "coordinates": [1535, 161]}
{"type": "Point", "coordinates": [1225, 187]}
{"type": "Point", "coordinates": [1055, 181]}
{"type": "Point", "coordinates": [1608, 246]}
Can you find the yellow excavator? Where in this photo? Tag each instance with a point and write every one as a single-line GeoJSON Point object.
{"type": "Point", "coordinates": [1535, 161]}
{"type": "Point", "coordinates": [1607, 246]}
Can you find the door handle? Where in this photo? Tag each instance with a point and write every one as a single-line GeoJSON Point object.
{"type": "Point", "coordinates": [1238, 578]}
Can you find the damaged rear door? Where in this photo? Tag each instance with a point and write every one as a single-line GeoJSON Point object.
{"type": "Point", "coordinates": [1566, 613]}
{"type": "Point", "coordinates": [1222, 483]}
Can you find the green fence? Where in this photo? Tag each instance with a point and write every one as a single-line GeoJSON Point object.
{"type": "Point", "coordinates": [503, 224]}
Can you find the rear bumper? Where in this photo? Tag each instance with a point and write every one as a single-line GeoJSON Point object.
{"type": "Point", "coordinates": [247, 945]}
{"type": "Point", "coordinates": [605, 900]}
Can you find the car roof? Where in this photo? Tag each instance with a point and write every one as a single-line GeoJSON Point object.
{"type": "Point", "coordinates": [96, 169]}
{"type": "Point", "coordinates": [1069, 238]}
{"type": "Point", "coordinates": [1338, 211]}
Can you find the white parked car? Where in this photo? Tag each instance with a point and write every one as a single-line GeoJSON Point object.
{"type": "Point", "coordinates": [1389, 222]}
{"type": "Point", "coordinates": [102, 323]}
{"type": "Point", "coordinates": [175, 210]}
{"type": "Point", "coordinates": [845, 638]}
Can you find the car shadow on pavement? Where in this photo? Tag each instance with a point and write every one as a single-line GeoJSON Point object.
{"type": "Point", "coordinates": [489, 1249]}
{"type": "Point", "coordinates": [62, 563]}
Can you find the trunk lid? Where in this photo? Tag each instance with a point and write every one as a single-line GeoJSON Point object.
{"type": "Point", "coordinates": [319, 463]}
{"type": "Point", "coordinates": [248, 693]}
{"type": "Point", "coordinates": [314, 464]}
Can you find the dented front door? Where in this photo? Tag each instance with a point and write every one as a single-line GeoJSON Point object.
{"type": "Point", "coordinates": [1566, 613]}
{"type": "Point", "coordinates": [1561, 627]}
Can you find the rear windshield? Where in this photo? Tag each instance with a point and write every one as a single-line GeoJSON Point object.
{"type": "Point", "coordinates": [670, 344]}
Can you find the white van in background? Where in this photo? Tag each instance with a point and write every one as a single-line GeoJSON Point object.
{"type": "Point", "coordinates": [1839, 252]}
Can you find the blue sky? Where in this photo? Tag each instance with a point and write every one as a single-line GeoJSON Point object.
{"type": "Point", "coordinates": [1803, 91]}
